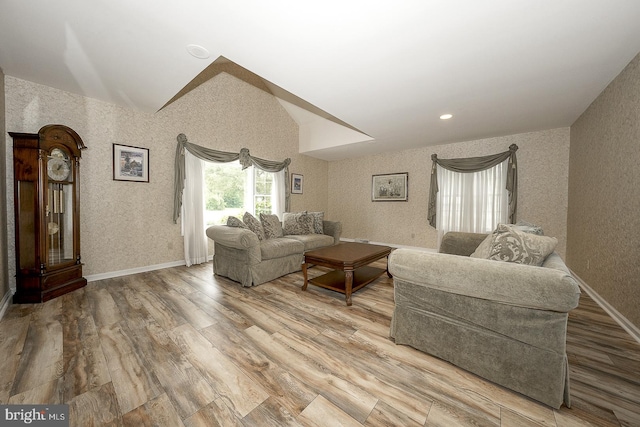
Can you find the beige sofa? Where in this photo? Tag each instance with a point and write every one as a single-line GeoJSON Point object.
{"type": "Point", "coordinates": [242, 257]}
{"type": "Point", "coordinates": [503, 321]}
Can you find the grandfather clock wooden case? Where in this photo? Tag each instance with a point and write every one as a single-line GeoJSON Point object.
{"type": "Point", "coordinates": [46, 174]}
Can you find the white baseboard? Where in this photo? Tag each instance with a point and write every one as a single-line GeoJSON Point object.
{"type": "Point", "coordinates": [632, 329]}
{"type": "Point", "coordinates": [112, 274]}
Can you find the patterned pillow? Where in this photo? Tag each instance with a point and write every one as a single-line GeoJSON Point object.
{"type": "Point", "coordinates": [232, 221]}
{"type": "Point", "coordinates": [513, 245]}
{"type": "Point", "coordinates": [254, 225]}
{"type": "Point", "coordinates": [271, 225]}
{"type": "Point", "coordinates": [318, 217]}
{"type": "Point", "coordinates": [297, 223]}
{"type": "Point", "coordinates": [483, 249]}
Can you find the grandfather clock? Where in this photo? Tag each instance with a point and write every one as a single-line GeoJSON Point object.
{"type": "Point", "coordinates": [46, 168]}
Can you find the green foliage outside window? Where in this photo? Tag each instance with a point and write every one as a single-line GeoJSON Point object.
{"type": "Point", "coordinates": [224, 187]}
{"type": "Point", "coordinates": [224, 192]}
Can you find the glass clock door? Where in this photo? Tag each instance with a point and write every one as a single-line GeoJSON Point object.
{"type": "Point", "coordinates": [60, 223]}
{"type": "Point", "coordinates": [59, 214]}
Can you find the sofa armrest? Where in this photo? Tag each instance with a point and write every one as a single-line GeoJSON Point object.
{"type": "Point", "coordinates": [333, 229]}
{"type": "Point", "coordinates": [460, 243]}
{"type": "Point", "coordinates": [508, 283]}
{"type": "Point", "coordinates": [234, 237]}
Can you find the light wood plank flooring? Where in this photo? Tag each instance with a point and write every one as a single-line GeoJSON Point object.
{"type": "Point", "coordinates": [181, 347]}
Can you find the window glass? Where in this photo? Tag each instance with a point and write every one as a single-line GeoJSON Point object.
{"type": "Point", "coordinates": [231, 191]}
{"type": "Point", "coordinates": [262, 191]}
{"type": "Point", "coordinates": [473, 202]}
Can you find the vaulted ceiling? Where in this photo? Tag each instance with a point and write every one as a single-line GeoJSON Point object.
{"type": "Point", "coordinates": [386, 69]}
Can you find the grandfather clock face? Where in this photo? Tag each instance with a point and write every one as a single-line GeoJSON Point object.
{"type": "Point", "coordinates": [58, 165]}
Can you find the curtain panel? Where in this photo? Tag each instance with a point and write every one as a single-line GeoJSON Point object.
{"type": "Point", "coordinates": [211, 155]}
{"type": "Point", "coordinates": [476, 164]}
{"type": "Point", "coordinates": [195, 240]}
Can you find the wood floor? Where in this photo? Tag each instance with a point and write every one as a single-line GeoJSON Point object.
{"type": "Point", "coordinates": [181, 347]}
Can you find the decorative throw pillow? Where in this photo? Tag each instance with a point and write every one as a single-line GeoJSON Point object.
{"type": "Point", "coordinates": [482, 251]}
{"type": "Point", "coordinates": [513, 245]}
{"type": "Point", "coordinates": [271, 225]}
{"type": "Point", "coordinates": [528, 227]}
{"type": "Point", "coordinates": [232, 221]}
{"type": "Point", "coordinates": [318, 217]}
{"type": "Point", "coordinates": [297, 223]}
{"type": "Point", "coordinates": [254, 225]}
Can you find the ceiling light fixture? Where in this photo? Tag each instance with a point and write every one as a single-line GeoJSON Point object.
{"type": "Point", "coordinates": [446, 116]}
{"type": "Point", "coordinates": [198, 51]}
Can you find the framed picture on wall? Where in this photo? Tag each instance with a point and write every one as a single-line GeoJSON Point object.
{"type": "Point", "coordinates": [130, 163]}
{"type": "Point", "coordinates": [296, 183]}
{"type": "Point", "coordinates": [390, 187]}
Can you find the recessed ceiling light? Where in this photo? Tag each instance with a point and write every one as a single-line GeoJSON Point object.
{"type": "Point", "coordinates": [198, 51]}
{"type": "Point", "coordinates": [446, 116]}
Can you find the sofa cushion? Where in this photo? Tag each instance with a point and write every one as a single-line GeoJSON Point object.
{"type": "Point", "coordinates": [254, 225]}
{"type": "Point", "coordinates": [460, 243]}
{"type": "Point", "coordinates": [232, 221]}
{"type": "Point", "coordinates": [312, 241]}
{"type": "Point", "coordinates": [298, 223]}
{"type": "Point", "coordinates": [318, 220]}
{"type": "Point", "coordinates": [280, 247]}
{"type": "Point", "coordinates": [510, 244]}
{"type": "Point", "coordinates": [271, 225]}
{"type": "Point", "coordinates": [483, 249]}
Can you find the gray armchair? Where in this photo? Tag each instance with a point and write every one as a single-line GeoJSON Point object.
{"type": "Point", "coordinates": [503, 321]}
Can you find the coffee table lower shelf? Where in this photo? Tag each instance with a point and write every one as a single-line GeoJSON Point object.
{"type": "Point", "coordinates": [335, 280]}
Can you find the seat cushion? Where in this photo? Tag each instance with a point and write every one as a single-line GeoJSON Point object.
{"type": "Point", "coordinates": [312, 241]}
{"type": "Point", "coordinates": [280, 247]}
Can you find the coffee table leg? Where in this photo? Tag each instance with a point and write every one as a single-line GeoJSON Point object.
{"type": "Point", "coordinates": [304, 272]}
{"type": "Point", "coordinates": [348, 285]}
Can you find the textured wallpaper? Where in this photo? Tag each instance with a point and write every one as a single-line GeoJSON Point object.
{"type": "Point", "coordinates": [4, 207]}
{"type": "Point", "coordinates": [543, 159]}
{"type": "Point", "coordinates": [127, 225]}
{"type": "Point", "coordinates": [604, 194]}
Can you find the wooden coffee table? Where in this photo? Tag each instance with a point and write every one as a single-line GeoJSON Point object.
{"type": "Point", "coordinates": [350, 266]}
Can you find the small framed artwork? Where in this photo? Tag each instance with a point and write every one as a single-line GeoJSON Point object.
{"type": "Point", "coordinates": [130, 163]}
{"type": "Point", "coordinates": [296, 183]}
{"type": "Point", "coordinates": [391, 187]}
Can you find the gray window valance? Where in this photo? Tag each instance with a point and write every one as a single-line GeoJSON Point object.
{"type": "Point", "coordinates": [211, 155]}
{"type": "Point", "coordinates": [476, 164]}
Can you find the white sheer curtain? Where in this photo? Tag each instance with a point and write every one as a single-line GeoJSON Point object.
{"type": "Point", "coordinates": [195, 239]}
{"type": "Point", "coordinates": [249, 200]}
{"type": "Point", "coordinates": [474, 202]}
{"type": "Point", "coordinates": [278, 193]}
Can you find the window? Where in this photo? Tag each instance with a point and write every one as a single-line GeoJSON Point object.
{"type": "Point", "coordinates": [474, 202]}
{"type": "Point", "coordinates": [204, 197]}
{"type": "Point", "coordinates": [231, 191]}
{"type": "Point", "coordinates": [262, 186]}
